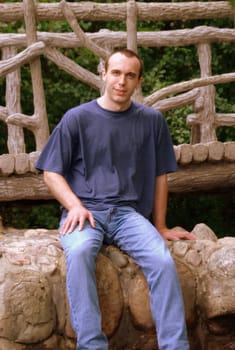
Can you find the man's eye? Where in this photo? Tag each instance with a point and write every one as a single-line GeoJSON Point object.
{"type": "Point", "coordinates": [131, 75]}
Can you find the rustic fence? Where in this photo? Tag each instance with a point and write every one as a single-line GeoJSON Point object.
{"type": "Point", "coordinates": [20, 49]}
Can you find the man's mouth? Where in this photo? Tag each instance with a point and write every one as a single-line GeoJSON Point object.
{"type": "Point", "coordinates": [120, 92]}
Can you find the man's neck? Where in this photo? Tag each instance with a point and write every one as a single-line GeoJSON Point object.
{"type": "Point", "coordinates": [112, 106]}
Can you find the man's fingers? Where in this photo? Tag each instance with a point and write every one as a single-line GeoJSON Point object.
{"type": "Point", "coordinates": [91, 220]}
{"type": "Point", "coordinates": [64, 227]}
{"type": "Point", "coordinates": [81, 223]}
{"type": "Point", "coordinates": [68, 227]}
{"type": "Point", "coordinates": [191, 236]}
{"type": "Point", "coordinates": [72, 221]}
{"type": "Point", "coordinates": [178, 235]}
{"type": "Point", "coordinates": [83, 219]}
{"type": "Point", "coordinates": [186, 235]}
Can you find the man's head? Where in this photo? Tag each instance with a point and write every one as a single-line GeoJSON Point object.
{"type": "Point", "coordinates": [127, 53]}
{"type": "Point", "coordinates": [122, 74]}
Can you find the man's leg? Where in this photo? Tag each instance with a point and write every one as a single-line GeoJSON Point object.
{"type": "Point", "coordinates": [138, 238]}
{"type": "Point", "coordinates": [81, 249]}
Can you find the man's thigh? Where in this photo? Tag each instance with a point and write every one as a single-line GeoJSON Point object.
{"type": "Point", "coordinates": [135, 233]}
{"type": "Point", "coordinates": [89, 237]}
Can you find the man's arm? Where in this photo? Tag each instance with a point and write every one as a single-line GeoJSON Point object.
{"type": "Point", "coordinates": [160, 210]}
{"type": "Point", "coordinates": [61, 190]}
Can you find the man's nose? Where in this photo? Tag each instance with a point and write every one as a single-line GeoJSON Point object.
{"type": "Point", "coordinates": [122, 79]}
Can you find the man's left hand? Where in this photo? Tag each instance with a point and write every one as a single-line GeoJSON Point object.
{"type": "Point", "coordinates": [176, 235]}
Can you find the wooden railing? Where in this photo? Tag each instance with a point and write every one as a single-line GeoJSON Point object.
{"type": "Point", "coordinates": [20, 49]}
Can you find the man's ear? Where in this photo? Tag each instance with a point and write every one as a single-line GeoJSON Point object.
{"type": "Point", "coordinates": [103, 74]}
{"type": "Point", "coordinates": [141, 79]}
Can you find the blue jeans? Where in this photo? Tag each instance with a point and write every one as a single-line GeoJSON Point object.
{"type": "Point", "coordinates": [132, 233]}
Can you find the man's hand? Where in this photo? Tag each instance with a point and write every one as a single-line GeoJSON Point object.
{"type": "Point", "coordinates": [159, 213]}
{"type": "Point", "coordinates": [176, 235]}
{"type": "Point", "coordinates": [77, 213]}
{"type": "Point", "coordinates": [77, 216]}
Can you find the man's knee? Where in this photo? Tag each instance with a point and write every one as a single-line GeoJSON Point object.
{"type": "Point", "coordinates": [163, 261]}
{"type": "Point", "coordinates": [81, 250]}
{"type": "Point", "coordinates": [81, 247]}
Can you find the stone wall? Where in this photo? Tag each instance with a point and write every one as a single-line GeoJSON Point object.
{"type": "Point", "coordinates": [34, 313]}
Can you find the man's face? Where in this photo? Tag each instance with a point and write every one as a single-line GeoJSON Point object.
{"type": "Point", "coordinates": [121, 79]}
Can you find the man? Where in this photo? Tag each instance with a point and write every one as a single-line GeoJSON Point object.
{"type": "Point", "coordinates": [106, 162]}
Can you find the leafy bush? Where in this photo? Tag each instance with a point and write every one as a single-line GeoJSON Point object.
{"type": "Point", "coordinates": [216, 210]}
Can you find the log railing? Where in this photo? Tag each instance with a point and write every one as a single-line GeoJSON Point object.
{"type": "Point", "coordinates": [20, 49]}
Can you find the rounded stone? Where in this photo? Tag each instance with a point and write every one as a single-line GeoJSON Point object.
{"type": "Point", "coordinates": [222, 263]}
{"type": "Point", "coordinates": [29, 313]}
{"type": "Point", "coordinates": [188, 286]}
{"type": "Point", "coordinates": [139, 303]}
{"type": "Point", "coordinates": [110, 294]}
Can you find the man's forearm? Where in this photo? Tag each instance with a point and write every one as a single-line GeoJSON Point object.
{"type": "Point", "coordinates": [61, 190]}
{"type": "Point", "coordinates": [160, 202]}
{"type": "Point", "coordinates": [160, 211]}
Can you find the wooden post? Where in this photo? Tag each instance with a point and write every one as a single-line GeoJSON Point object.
{"type": "Point", "coordinates": [131, 27]}
{"type": "Point", "coordinates": [208, 132]}
{"type": "Point", "coordinates": [41, 132]}
{"type": "Point", "coordinates": [15, 140]}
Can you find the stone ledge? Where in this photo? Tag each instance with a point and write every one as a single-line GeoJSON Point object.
{"type": "Point", "coordinates": [186, 154]}
{"type": "Point", "coordinates": [34, 310]}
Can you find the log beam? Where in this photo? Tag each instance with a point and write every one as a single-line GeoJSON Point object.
{"type": "Point", "coordinates": [203, 177]}
{"type": "Point", "coordinates": [189, 178]}
{"type": "Point", "coordinates": [181, 37]}
{"type": "Point", "coordinates": [89, 11]}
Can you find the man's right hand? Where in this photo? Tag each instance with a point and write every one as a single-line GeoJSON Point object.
{"type": "Point", "coordinates": [77, 216]}
{"type": "Point", "coordinates": [77, 213]}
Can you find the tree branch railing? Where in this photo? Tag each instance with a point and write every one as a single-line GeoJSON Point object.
{"type": "Point", "coordinates": [20, 49]}
{"type": "Point", "coordinates": [91, 11]}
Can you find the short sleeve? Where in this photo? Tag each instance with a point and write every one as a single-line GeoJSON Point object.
{"type": "Point", "coordinates": [56, 156]}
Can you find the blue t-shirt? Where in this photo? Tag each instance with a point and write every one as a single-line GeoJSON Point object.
{"type": "Point", "coordinates": [110, 158]}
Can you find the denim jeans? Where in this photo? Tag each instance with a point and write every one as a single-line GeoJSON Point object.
{"type": "Point", "coordinates": [132, 233]}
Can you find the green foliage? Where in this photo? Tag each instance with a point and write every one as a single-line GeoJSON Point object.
{"type": "Point", "coordinates": [216, 210]}
{"type": "Point", "coordinates": [3, 138]}
{"type": "Point", "coordinates": [176, 120]}
{"type": "Point", "coordinates": [24, 214]}
{"type": "Point", "coordinates": [232, 2]}
{"type": "Point", "coordinates": [63, 91]}
{"type": "Point", "coordinates": [168, 65]}
{"type": "Point", "coordinates": [186, 210]}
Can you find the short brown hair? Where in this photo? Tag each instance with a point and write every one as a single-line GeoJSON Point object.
{"type": "Point", "coordinates": [127, 53]}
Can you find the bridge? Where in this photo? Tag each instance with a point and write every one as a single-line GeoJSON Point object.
{"type": "Point", "coordinates": [204, 164]}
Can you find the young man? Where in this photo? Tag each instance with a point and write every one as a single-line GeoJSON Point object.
{"type": "Point", "coordinates": [106, 162]}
